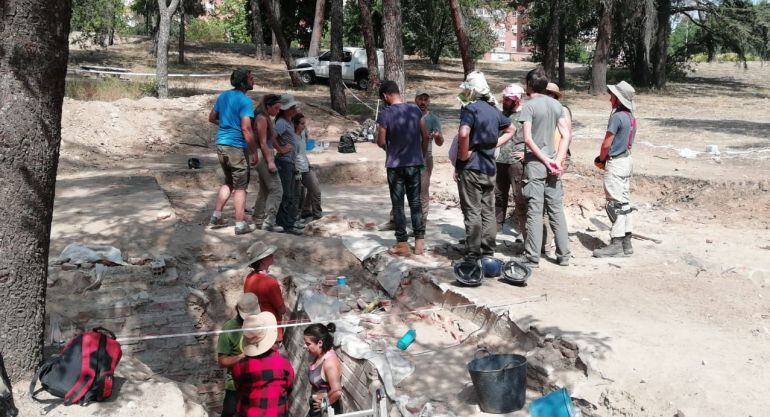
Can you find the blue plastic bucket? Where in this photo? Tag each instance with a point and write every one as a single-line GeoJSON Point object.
{"type": "Point", "coordinates": [555, 404]}
{"type": "Point", "coordinates": [310, 144]}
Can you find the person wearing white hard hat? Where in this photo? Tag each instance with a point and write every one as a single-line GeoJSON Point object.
{"type": "Point", "coordinates": [615, 157]}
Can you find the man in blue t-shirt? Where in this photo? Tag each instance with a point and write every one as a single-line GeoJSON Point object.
{"type": "Point", "coordinates": [236, 148]}
{"type": "Point", "coordinates": [402, 133]}
{"type": "Point", "coordinates": [481, 124]}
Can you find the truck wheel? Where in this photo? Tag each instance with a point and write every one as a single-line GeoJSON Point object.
{"type": "Point", "coordinates": [307, 77]}
{"type": "Point", "coordinates": [362, 81]}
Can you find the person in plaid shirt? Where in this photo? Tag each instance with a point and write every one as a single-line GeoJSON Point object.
{"type": "Point", "coordinates": [264, 378]}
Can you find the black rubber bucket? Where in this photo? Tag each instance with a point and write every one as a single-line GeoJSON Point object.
{"type": "Point", "coordinates": [500, 382]}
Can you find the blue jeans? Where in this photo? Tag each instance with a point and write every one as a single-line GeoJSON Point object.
{"type": "Point", "coordinates": [405, 181]}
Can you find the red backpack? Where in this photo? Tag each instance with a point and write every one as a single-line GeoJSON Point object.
{"type": "Point", "coordinates": [82, 372]}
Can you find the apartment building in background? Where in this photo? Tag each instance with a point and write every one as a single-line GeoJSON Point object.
{"type": "Point", "coordinates": [509, 27]}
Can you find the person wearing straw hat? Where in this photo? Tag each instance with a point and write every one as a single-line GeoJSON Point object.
{"type": "Point", "coordinates": [510, 168]}
{"type": "Point", "coordinates": [229, 347]}
{"type": "Point", "coordinates": [615, 157]}
{"type": "Point", "coordinates": [263, 378]}
{"type": "Point", "coordinates": [483, 128]}
{"type": "Point", "coordinates": [260, 283]}
{"type": "Point", "coordinates": [540, 117]}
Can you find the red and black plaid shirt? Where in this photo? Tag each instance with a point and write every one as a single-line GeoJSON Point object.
{"type": "Point", "coordinates": [263, 384]}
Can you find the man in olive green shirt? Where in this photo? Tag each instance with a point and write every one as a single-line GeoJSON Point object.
{"type": "Point", "coordinates": [229, 349]}
{"type": "Point", "coordinates": [510, 167]}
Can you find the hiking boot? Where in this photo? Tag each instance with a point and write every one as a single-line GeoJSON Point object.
{"type": "Point", "coordinates": [216, 221]}
{"type": "Point", "coordinates": [294, 231]}
{"type": "Point", "coordinates": [400, 249]}
{"type": "Point", "coordinates": [563, 260]}
{"type": "Point", "coordinates": [614, 249]}
{"type": "Point", "coordinates": [387, 226]}
{"type": "Point", "coordinates": [627, 248]}
{"type": "Point", "coordinates": [419, 246]}
{"type": "Point", "coordinates": [244, 229]}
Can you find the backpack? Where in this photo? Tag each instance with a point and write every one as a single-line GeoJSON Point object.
{"type": "Point", "coordinates": [82, 372]}
{"type": "Point", "coordinates": [347, 144]}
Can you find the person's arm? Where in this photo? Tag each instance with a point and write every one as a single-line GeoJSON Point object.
{"type": "Point", "coordinates": [248, 134]}
{"type": "Point", "coordinates": [507, 135]}
{"type": "Point", "coordinates": [261, 126]}
{"type": "Point", "coordinates": [228, 361]}
{"type": "Point", "coordinates": [565, 129]}
{"type": "Point", "coordinates": [214, 117]}
{"type": "Point", "coordinates": [604, 152]}
{"type": "Point", "coordinates": [276, 299]}
{"type": "Point", "coordinates": [530, 143]}
{"type": "Point", "coordinates": [334, 378]}
{"type": "Point", "coordinates": [438, 136]}
{"type": "Point", "coordinates": [381, 134]}
{"type": "Point", "coordinates": [463, 143]}
{"type": "Point", "coordinates": [425, 137]}
{"type": "Point", "coordinates": [278, 146]}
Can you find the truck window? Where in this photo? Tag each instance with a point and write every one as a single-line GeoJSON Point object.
{"type": "Point", "coordinates": [326, 56]}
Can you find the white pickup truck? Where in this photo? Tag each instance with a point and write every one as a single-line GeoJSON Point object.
{"type": "Point", "coordinates": [353, 66]}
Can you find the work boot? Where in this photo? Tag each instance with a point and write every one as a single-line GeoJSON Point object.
{"type": "Point", "coordinates": [419, 246]}
{"type": "Point", "coordinates": [400, 249]}
{"type": "Point", "coordinates": [627, 248]}
{"type": "Point", "coordinates": [614, 249]}
{"type": "Point", "coordinates": [387, 226]}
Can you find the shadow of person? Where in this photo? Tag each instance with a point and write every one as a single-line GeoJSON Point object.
{"type": "Point", "coordinates": [589, 242]}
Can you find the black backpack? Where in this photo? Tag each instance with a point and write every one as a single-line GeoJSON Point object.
{"type": "Point", "coordinates": [82, 372]}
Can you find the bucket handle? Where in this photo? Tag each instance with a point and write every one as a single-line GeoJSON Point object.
{"type": "Point", "coordinates": [479, 350]}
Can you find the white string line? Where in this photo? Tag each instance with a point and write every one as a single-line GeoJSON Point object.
{"type": "Point", "coordinates": [124, 339]}
{"type": "Point", "coordinates": [146, 74]}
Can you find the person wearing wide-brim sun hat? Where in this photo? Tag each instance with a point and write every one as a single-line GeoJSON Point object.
{"type": "Point", "coordinates": [263, 378]}
{"type": "Point", "coordinates": [266, 287]}
{"type": "Point", "coordinates": [615, 158]}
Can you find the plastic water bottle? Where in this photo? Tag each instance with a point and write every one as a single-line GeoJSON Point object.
{"type": "Point", "coordinates": [406, 339]}
{"type": "Point", "coordinates": [343, 290]}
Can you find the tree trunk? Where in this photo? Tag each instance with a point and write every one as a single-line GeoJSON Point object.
{"type": "Point", "coordinates": [551, 53]}
{"type": "Point", "coordinates": [318, 28]}
{"type": "Point", "coordinates": [371, 49]}
{"type": "Point", "coordinates": [462, 39]}
{"type": "Point", "coordinates": [336, 88]}
{"type": "Point", "coordinates": [33, 64]}
{"type": "Point", "coordinates": [393, 46]}
{"type": "Point", "coordinates": [602, 51]}
{"type": "Point", "coordinates": [257, 33]}
{"type": "Point", "coordinates": [277, 32]}
{"type": "Point", "coordinates": [182, 18]}
{"type": "Point", "coordinates": [562, 57]}
{"type": "Point", "coordinates": [164, 31]}
{"type": "Point", "coordinates": [660, 49]}
{"type": "Point", "coordinates": [283, 47]}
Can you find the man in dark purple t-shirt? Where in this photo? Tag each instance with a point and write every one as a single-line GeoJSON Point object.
{"type": "Point", "coordinates": [402, 133]}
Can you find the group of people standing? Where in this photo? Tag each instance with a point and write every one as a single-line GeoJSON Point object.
{"type": "Point", "coordinates": [259, 377]}
{"type": "Point", "coordinates": [289, 193]}
{"type": "Point", "coordinates": [522, 150]}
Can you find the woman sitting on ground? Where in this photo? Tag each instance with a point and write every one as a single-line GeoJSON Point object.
{"type": "Point", "coordinates": [325, 373]}
{"type": "Point", "coordinates": [308, 196]}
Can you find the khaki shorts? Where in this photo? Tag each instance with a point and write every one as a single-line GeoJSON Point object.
{"type": "Point", "coordinates": [235, 165]}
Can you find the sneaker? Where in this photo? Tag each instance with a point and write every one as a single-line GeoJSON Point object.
{"type": "Point", "coordinates": [267, 227]}
{"type": "Point", "coordinates": [563, 260]}
{"type": "Point", "coordinates": [294, 231]}
{"type": "Point", "coordinates": [216, 221]}
{"type": "Point", "coordinates": [530, 263]}
{"type": "Point", "coordinates": [247, 228]}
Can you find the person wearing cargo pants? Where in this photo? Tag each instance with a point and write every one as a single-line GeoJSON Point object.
{"type": "Point", "coordinates": [615, 155]}
{"type": "Point", "coordinates": [477, 199]}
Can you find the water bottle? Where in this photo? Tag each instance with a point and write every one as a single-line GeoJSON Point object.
{"type": "Point", "coordinates": [406, 339]}
{"type": "Point", "coordinates": [343, 290]}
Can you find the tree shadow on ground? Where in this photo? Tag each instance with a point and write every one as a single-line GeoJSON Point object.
{"type": "Point", "coordinates": [734, 127]}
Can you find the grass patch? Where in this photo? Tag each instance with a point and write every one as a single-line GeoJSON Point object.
{"type": "Point", "coordinates": [108, 89]}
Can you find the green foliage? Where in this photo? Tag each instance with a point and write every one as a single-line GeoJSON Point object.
{"type": "Point", "coordinates": [579, 53]}
{"type": "Point", "coordinates": [97, 20]}
{"type": "Point", "coordinates": [206, 30]}
{"type": "Point", "coordinates": [232, 14]}
{"type": "Point", "coordinates": [481, 36]}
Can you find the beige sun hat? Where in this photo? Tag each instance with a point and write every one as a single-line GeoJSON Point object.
{"type": "Point", "coordinates": [554, 88]}
{"type": "Point", "coordinates": [288, 101]}
{"type": "Point", "coordinates": [624, 92]}
{"type": "Point", "coordinates": [262, 336]}
{"type": "Point", "coordinates": [258, 251]}
{"type": "Point", "coordinates": [248, 305]}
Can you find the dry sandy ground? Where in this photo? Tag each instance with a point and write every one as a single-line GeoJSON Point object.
{"type": "Point", "coordinates": [684, 324]}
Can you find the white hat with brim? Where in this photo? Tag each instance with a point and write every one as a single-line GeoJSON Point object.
{"type": "Point", "coordinates": [261, 335]}
{"type": "Point", "coordinates": [624, 93]}
{"type": "Point", "coordinates": [288, 101]}
{"type": "Point", "coordinates": [476, 82]}
{"type": "Point", "coordinates": [259, 251]}
{"type": "Point", "coordinates": [248, 305]}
